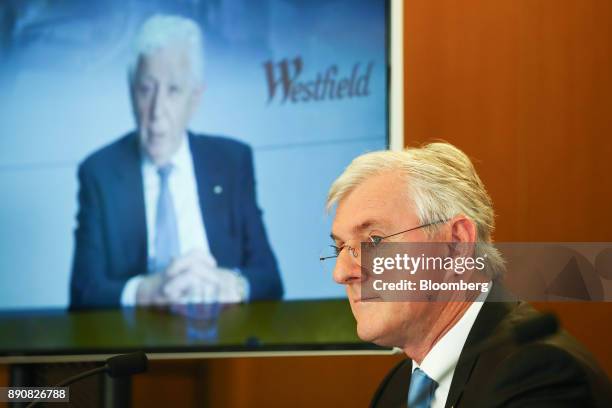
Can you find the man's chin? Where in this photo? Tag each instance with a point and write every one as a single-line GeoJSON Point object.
{"type": "Point", "coordinates": [369, 335]}
{"type": "Point", "coordinates": [373, 329]}
{"type": "Point", "coordinates": [156, 151]}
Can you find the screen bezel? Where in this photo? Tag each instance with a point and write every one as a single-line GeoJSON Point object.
{"type": "Point", "coordinates": [395, 141]}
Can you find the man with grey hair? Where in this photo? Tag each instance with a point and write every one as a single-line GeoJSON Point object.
{"type": "Point", "coordinates": [433, 194]}
{"type": "Point", "coordinates": [165, 215]}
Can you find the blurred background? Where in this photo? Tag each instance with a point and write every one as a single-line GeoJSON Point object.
{"type": "Point", "coordinates": [65, 94]}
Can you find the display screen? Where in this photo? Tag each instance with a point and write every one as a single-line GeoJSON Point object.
{"type": "Point", "coordinates": [254, 123]}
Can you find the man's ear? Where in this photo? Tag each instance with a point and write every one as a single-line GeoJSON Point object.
{"type": "Point", "coordinates": [463, 236]}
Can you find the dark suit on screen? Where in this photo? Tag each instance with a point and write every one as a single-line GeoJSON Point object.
{"type": "Point", "coordinates": [553, 372]}
{"type": "Point", "coordinates": [111, 236]}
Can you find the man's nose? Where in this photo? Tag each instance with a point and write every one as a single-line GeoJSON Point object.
{"type": "Point", "coordinates": [157, 104]}
{"type": "Point", "coordinates": [347, 270]}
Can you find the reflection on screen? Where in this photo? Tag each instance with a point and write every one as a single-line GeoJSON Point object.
{"type": "Point", "coordinates": [301, 85]}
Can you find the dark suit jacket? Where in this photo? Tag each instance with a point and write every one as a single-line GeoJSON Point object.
{"type": "Point", "coordinates": [111, 236]}
{"type": "Point", "coordinates": [553, 372]}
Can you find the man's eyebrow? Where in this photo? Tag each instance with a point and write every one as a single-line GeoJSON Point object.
{"type": "Point", "coordinates": [146, 77]}
{"type": "Point", "coordinates": [367, 224]}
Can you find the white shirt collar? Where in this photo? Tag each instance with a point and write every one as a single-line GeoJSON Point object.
{"type": "Point", "coordinates": [447, 350]}
{"type": "Point", "coordinates": [180, 160]}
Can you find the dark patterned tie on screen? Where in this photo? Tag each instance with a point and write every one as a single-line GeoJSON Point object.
{"type": "Point", "coordinates": [166, 231]}
{"type": "Point", "coordinates": [421, 390]}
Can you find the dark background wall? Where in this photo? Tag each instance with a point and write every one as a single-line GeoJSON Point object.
{"type": "Point", "coordinates": [524, 87]}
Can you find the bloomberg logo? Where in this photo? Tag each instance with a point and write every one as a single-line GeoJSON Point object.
{"type": "Point", "coordinates": [285, 82]}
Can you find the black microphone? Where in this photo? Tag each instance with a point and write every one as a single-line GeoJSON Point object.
{"type": "Point", "coordinates": [127, 364]}
{"type": "Point", "coordinates": [122, 365]}
{"type": "Point", "coordinates": [536, 328]}
{"type": "Point", "coordinates": [530, 330]}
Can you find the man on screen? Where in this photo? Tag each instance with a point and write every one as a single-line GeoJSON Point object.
{"type": "Point", "coordinates": [433, 195]}
{"type": "Point", "coordinates": [166, 215]}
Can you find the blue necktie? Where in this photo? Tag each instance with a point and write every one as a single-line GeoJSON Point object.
{"type": "Point", "coordinates": [166, 231]}
{"type": "Point", "coordinates": [421, 390]}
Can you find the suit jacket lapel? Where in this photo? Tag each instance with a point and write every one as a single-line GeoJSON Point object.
{"type": "Point", "coordinates": [128, 204]}
{"type": "Point", "coordinates": [212, 193]}
{"type": "Point", "coordinates": [492, 312]}
{"type": "Point", "coordinates": [393, 390]}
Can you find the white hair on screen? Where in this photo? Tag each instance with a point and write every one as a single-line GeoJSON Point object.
{"type": "Point", "coordinates": [162, 31]}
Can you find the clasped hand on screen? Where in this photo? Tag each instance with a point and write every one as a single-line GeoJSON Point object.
{"type": "Point", "coordinates": [192, 278]}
